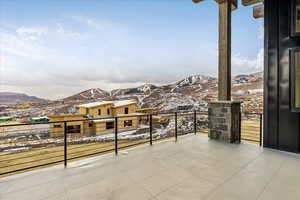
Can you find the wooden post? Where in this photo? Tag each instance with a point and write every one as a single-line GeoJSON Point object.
{"type": "Point", "coordinates": [224, 85]}
{"type": "Point", "coordinates": [224, 107]}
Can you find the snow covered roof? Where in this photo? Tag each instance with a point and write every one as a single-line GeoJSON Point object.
{"type": "Point", "coordinates": [6, 117]}
{"type": "Point", "coordinates": [37, 118]}
{"type": "Point", "coordinates": [95, 104]}
{"type": "Point", "coordinates": [103, 120]}
{"type": "Point", "coordinates": [123, 103]}
{"type": "Point", "coordinates": [114, 103]}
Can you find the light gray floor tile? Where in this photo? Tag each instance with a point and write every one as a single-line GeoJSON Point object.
{"type": "Point", "coordinates": [191, 189]}
{"type": "Point", "coordinates": [158, 183]}
{"type": "Point", "coordinates": [245, 185]}
{"type": "Point", "coordinates": [128, 192]}
{"type": "Point", "coordinates": [41, 191]}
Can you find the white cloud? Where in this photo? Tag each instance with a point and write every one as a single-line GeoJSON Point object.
{"type": "Point", "coordinates": [67, 34]}
{"type": "Point", "coordinates": [242, 64]}
{"type": "Point", "coordinates": [20, 45]}
{"type": "Point", "coordinates": [25, 31]}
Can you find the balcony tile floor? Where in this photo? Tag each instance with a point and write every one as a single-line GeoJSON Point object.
{"type": "Point", "coordinates": [194, 168]}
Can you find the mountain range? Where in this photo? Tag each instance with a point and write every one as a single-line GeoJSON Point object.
{"type": "Point", "coordinates": [195, 90]}
{"type": "Point", "coordinates": [14, 98]}
{"type": "Point", "coordinates": [197, 81]}
{"type": "Point", "coordinates": [192, 90]}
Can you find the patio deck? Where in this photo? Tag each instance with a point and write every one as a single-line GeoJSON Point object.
{"type": "Point", "coordinates": [193, 168]}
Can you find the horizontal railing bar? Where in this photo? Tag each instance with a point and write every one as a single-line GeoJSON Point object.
{"type": "Point", "coordinates": [90, 119]}
{"type": "Point", "coordinates": [18, 158]}
{"type": "Point", "coordinates": [32, 167]}
{"type": "Point", "coordinates": [16, 164]}
{"type": "Point", "coordinates": [135, 144]}
{"type": "Point", "coordinates": [249, 140]}
{"type": "Point", "coordinates": [91, 154]}
{"type": "Point", "coordinates": [162, 138]}
{"type": "Point", "coordinates": [249, 113]}
{"type": "Point", "coordinates": [85, 150]}
{"type": "Point", "coordinates": [132, 141]}
{"type": "Point", "coordinates": [251, 128]}
{"type": "Point", "coordinates": [83, 146]}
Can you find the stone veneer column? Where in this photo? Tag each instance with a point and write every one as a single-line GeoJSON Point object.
{"type": "Point", "coordinates": [224, 121]}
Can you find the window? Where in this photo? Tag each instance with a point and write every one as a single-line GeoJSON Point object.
{"type": "Point", "coordinates": [90, 124]}
{"type": "Point", "coordinates": [109, 125]}
{"type": "Point", "coordinates": [99, 111]}
{"type": "Point", "coordinates": [127, 123]}
{"type": "Point", "coordinates": [57, 126]}
{"type": "Point", "coordinates": [73, 129]}
{"type": "Point", "coordinates": [108, 111]}
{"type": "Point", "coordinates": [126, 110]}
{"type": "Point", "coordinates": [296, 17]}
{"type": "Point", "coordinates": [295, 80]}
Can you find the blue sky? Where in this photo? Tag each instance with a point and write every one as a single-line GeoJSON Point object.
{"type": "Point", "coordinates": [56, 48]}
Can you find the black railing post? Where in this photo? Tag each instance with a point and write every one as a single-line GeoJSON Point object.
{"type": "Point", "coordinates": [65, 144]}
{"type": "Point", "coordinates": [260, 129]}
{"type": "Point", "coordinates": [116, 135]}
{"type": "Point", "coordinates": [175, 126]}
{"type": "Point", "coordinates": [151, 129]}
{"type": "Point", "coordinates": [195, 122]}
{"type": "Point", "coordinates": [240, 122]}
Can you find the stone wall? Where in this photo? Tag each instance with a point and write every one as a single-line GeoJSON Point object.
{"type": "Point", "coordinates": [224, 121]}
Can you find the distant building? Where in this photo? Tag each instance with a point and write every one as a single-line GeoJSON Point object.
{"type": "Point", "coordinates": [145, 112]}
{"type": "Point", "coordinates": [98, 118]}
{"type": "Point", "coordinates": [7, 119]}
{"type": "Point", "coordinates": [39, 119]}
{"type": "Point", "coordinates": [185, 107]}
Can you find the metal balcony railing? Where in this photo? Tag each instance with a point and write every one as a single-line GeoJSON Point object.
{"type": "Point", "coordinates": [26, 146]}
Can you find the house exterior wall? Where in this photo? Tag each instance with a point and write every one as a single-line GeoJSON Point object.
{"type": "Point", "coordinates": [83, 111]}
{"type": "Point", "coordinates": [123, 119]}
{"type": "Point", "coordinates": [121, 109]}
{"type": "Point", "coordinates": [57, 129]}
{"type": "Point", "coordinates": [94, 111]}
{"type": "Point", "coordinates": [100, 127]}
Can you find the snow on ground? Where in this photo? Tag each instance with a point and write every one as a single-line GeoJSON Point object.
{"type": "Point", "coordinates": [255, 91]}
{"type": "Point", "coordinates": [17, 149]}
{"type": "Point", "coordinates": [92, 93]}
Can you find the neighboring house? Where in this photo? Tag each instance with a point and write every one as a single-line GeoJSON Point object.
{"type": "Point", "coordinates": [98, 118]}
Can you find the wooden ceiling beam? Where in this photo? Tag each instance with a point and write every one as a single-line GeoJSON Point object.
{"type": "Point", "coordinates": [197, 1]}
{"type": "Point", "coordinates": [251, 2]}
{"type": "Point", "coordinates": [234, 3]}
